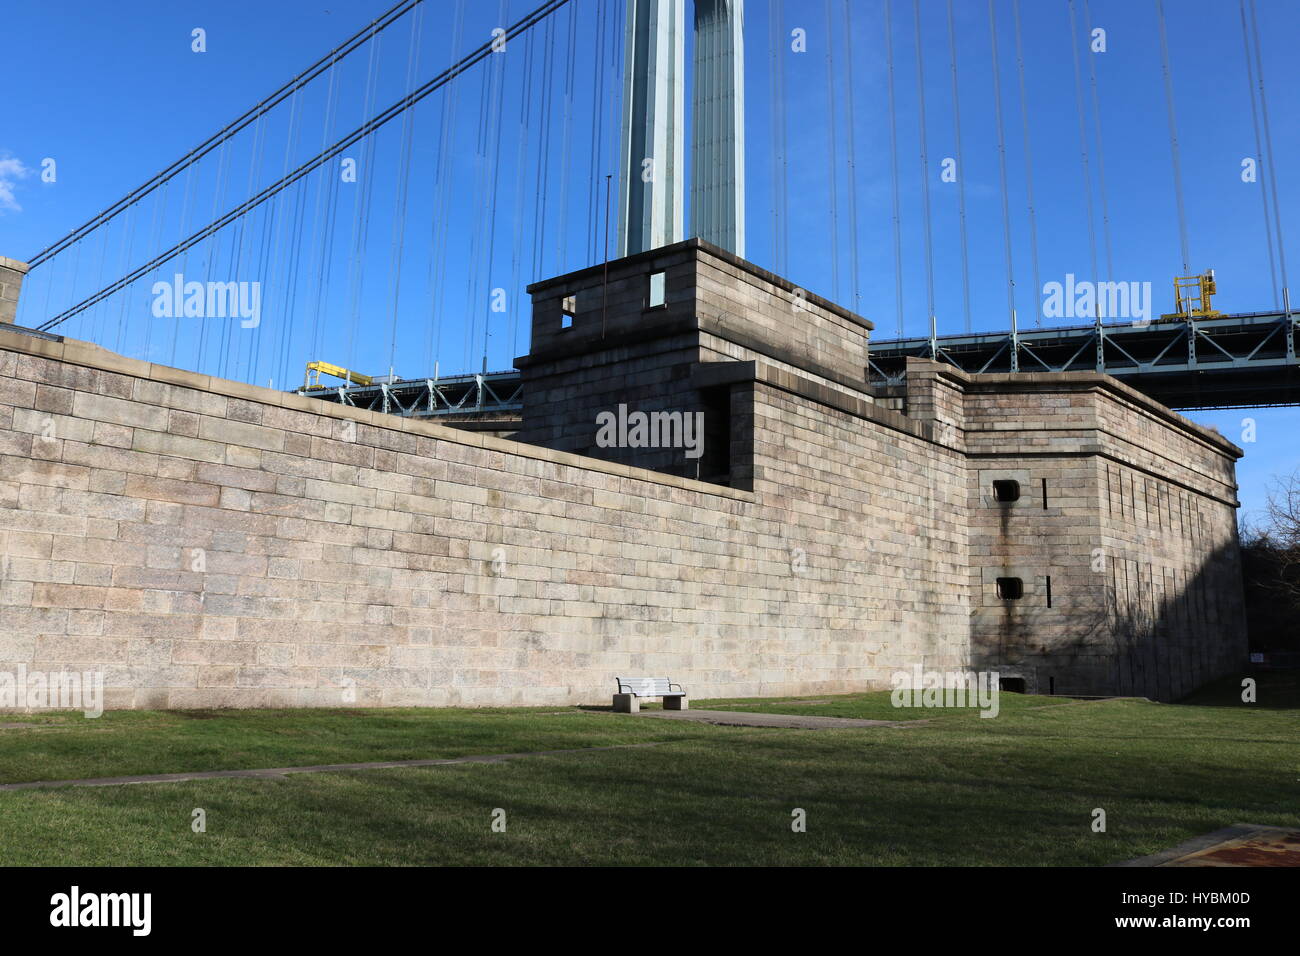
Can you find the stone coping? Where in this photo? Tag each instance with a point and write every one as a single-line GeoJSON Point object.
{"type": "Point", "coordinates": [14, 264]}
{"type": "Point", "coordinates": [701, 245]}
{"type": "Point", "coordinates": [1058, 381]}
{"type": "Point", "coordinates": [76, 352]}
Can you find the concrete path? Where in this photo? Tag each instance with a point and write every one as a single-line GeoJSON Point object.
{"type": "Point", "coordinates": [279, 773]}
{"type": "Point", "coordinates": [736, 718]}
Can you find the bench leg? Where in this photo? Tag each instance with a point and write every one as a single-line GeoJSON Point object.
{"type": "Point", "coordinates": [677, 703]}
{"type": "Point", "coordinates": [626, 704]}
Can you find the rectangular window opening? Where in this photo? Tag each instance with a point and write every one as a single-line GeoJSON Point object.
{"type": "Point", "coordinates": [1011, 589]}
{"type": "Point", "coordinates": [656, 298]}
{"type": "Point", "coordinates": [1006, 490]}
{"type": "Point", "coordinates": [1044, 494]}
{"type": "Point", "coordinates": [1049, 590]}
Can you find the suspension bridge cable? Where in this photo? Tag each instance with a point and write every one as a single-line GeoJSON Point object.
{"type": "Point", "coordinates": [1083, 143]}
{"type": "Point", "coordinates": [526, 110]}
{"type": "Point", "coordinates": [927, 220]}
{"type": "Point", "coordinates": [1101, 151]}
{"type": "Point", "coordinates": [1270, 166]}
{"type": "Point", "coordinates": [567, 138]}
{"type": "Point", "coordinates": [289, 324]}
{"type": "Point", "coordinates": [893, 150]}
{"type": "Point", "coordinates": [476, 237]}
{"type": "Point", "coordinates": [367, 128]}
{"type": "Point", "coordinates": [437, 264]}
{"type": "Point", "coordinates": [403, 196]}
{"type": "Point", "coordinates": [853, 159]}
{"type": "Point", "coordinates": [237, 243]}
{"type": "Point", "coordinates": [775, 54]}
{"type": "Point", "coordinates": [330, 179]}
{"type": "Point", "coordinates": [497, 124]}
{"type": "Point", "coordinates": [274, 227]}
{"type": "Point", "coordinates": [361, 211]}
{"type": "Point", "coordinates": [961, 167]}
{"type": "Point", "coordinates": [598, 98]}
{"type": "Point", "coordinates": [1029, 165]}
{"type": "Point", "coordinates": [185, 260]}
{"type": "Point", "coordinates": [155, 237]}
{"type": "Point", "coordinates": [1259, 152]}
{"type": "Point", "coordinates": [223, 162]}
{"type": "Point", "coordinates": [831, 158]}
{"type": "Point", "coordinates": [1002, 165]}
{"type": "Point", "coordinates": [1173, 140]}
{"type": "Point", "coordinates": [782, 150]}
{"type": "Point", "coordinates": [230, 129]}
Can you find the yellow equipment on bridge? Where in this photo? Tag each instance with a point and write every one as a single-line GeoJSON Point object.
{"type": "Point", "coordinates": [337, 371]}
{"type": "Point", "coordinates": [1192, 297]}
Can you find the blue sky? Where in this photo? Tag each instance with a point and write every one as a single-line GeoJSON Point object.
{"type": "Point", "coordinates": [400, 269]}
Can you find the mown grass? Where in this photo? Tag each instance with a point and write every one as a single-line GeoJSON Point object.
{"type": "Point", "coordinates": [958, 789]}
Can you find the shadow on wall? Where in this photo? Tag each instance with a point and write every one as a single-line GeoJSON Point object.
{"type": "Point", "coordinates": [1137, 634]}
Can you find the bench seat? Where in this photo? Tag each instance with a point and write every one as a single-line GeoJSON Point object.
{"type": "Point", "coordinates": [632, 689]}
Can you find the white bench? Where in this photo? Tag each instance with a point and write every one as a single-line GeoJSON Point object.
{"type": "Point", "coordinates": [632, 689]}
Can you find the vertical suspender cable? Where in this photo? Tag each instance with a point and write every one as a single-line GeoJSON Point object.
{"type": "Point", "coordinates": [783, 170]}
{"type": "Point", "coordinates": [853, 159]}
{"type": "Point", "coordinates": [570, 59]}
{"type": "Point", "coordinates": [1259, 154]}
{"type": "Point", "coordinates": [831, 155]}
{"type": "Point", "coordinates": [271, 251]}
{"type": "Point", "coordinates": [893, 150]}
{"type": "Point", "coordinates": [1083, 143]}
{"type": "Point", "coordinates": [1101, 152]}
{"type": "Point", "coordinates": [775, 45]}
{"type": "Point", "coordinates": [1173, 141]}
{"type": "Point", "coordinates": [441, 214]}
{"type": "Point", "coordinates": [539, 197]}
{"type": "Point", "coordinates": [1029, 166]}
{"type": "Point", "coordinates": [404, 182]}
{"type": "Point", "coordinates": [1002, 165]}
{"type": "Point", "coordinates": [961, 167]}
{"type": "Point", "coordinates": [361, 218]}
{"type": "Point", "coordinates": [472, 301]}
{"type": "Point", "coordinates": [333, 174]}
{"type": "Point", "coordinates": [1269, 165]}
{"type": "Point", "coordinates": [597, 105]}
{"type": "Point", "coordinates": [184, 221]}
{"type": "Point", "coordinates": [925, 167]}
{"type": "Point", "coordinates": [497, 125]}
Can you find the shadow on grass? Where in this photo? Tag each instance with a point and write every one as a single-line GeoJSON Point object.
{"type": "Point", "coordinates": [1275, 689]}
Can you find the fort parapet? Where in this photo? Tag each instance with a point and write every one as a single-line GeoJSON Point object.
{"type": "Point", "coordinates": [206, 543]}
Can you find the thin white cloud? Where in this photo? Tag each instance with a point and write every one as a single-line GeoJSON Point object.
{"type": "Point", "coordinates": [11, 170]}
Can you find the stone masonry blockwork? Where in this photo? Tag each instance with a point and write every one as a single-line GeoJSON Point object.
{"type": "Point", "coordinates": [205, 543]}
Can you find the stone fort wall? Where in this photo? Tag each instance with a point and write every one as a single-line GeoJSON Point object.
{"type": "Point", "coordinates": [205, 543]}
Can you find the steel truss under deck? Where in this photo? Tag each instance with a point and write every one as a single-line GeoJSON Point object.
{"type": "Point", "coordinates": [480, 395]}
{"type": "Point", "coordinates": [1244, 360]}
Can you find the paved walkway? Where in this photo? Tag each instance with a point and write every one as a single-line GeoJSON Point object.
{"type": "Point", "coordinates": [279, 773]}
{"type": "Point", "coordinates": [1244, 844]}
{"type": "Point", "coordinates": [737, 718]}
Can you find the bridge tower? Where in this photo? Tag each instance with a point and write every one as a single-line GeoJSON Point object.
{"type": "Point", "coordinates": [651, 156]}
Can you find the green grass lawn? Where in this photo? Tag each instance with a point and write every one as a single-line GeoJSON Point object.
{"type": "Point", "coordinates": [957, 789]}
